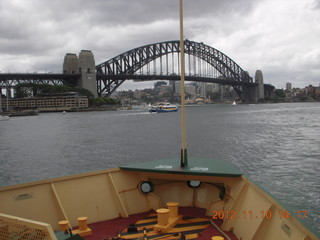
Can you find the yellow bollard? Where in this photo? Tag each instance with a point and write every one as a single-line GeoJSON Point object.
{"type": "Point", "coordinates": [83, 229]}
{"type": "Point", "coordinates": [217, 238]}
{"type": "Point", "coordinates": [163, 216]}
{"type": "Point", "coordinates": [173, 209]}
{"type": "Point", "coordinates": [64, 225]}
{"type": "Point", "coordinates": [82, 223]}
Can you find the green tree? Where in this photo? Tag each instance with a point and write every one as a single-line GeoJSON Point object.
{"type": "Point", "coordinates": [99, 101]}
{"type": "Point", "coordinates": [215, 96]}
{"type": "Point", "coordinates": [280, 93]}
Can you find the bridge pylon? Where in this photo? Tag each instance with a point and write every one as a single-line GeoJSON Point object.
{"type": "Point", "coordinates": [84, 65]}
{"type": "Point", "coordinates": [260, 86]}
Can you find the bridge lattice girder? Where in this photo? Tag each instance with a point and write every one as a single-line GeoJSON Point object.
{"type": "Point", "coordinates": [12, 79]}
{"type": "Point", "coordinates": [128, 63]}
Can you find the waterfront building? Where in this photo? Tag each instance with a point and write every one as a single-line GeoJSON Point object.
{"type": "Point", "coordinates": [312, 91]}
{"type": "Point", "coordinates": [50, 102]}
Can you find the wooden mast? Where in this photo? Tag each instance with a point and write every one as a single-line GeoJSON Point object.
{"type": "Point", "coordinates": [184, 158]}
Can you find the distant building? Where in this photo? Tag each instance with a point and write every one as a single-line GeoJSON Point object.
{"type": "Point", "coordinates": [137, 94]}
{"type": "Point", "coordinates": [173, 84]}
{"type": "Point", "coordinates": [209, 87]}
{"type": "Point", "coordinates": [51, 102]}
{"type": "Point", "coordinates": [312, 91]}
{"type": "Point", "coordinates": [191, 89]}
{"type": "Point", "coordinates": [289, 87]}
{"type": "Point", "coordinates": [177, 87]}
{"type": "Point", "coordinates": [202, 89]}
{"type": "Point", "coordinates": [159, 83]}
{"type": "Point", "coordinates": [165, 89]}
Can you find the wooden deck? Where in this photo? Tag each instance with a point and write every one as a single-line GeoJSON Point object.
{"type": "Point", "coordinates": [193, 225]}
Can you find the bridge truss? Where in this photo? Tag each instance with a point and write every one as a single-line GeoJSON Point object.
{"type": "Point", "coordinates": [160, 61]}
{"type": "Point", "coordinates": [9, 80]}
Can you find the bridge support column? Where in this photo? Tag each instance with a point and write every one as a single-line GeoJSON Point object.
{"type": "Point", "coordinates": [87, 69]}
{"type": "Point", "coordinates": [85, 65]}
{"type": "Point", "coordinates": [260, 85]}
{"type": "Point", "coordinates": [70, 64]}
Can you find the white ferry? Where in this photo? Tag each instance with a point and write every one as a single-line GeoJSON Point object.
{"type": "Point", "coordinates": [163, 107]}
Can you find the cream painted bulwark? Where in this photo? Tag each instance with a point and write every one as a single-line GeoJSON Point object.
{"type": "Point", "coordinates": [87, 196]}
{"type": "Point", "coordinates": [36, 203]}
{"type": "Point", "coordinates": [112, 193]}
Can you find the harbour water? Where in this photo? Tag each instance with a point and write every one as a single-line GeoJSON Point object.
{"type": "Point", "coordinates": [276, 145]}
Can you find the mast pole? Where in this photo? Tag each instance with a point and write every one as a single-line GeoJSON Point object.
{"type": "Point", "coordinates": [0, 100]}
{"type": "Point", "coordinates": [184, 158]}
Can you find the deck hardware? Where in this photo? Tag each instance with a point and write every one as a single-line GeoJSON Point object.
{"type": "Point", "coordinates": [24, 196]}
{"type": "Point", "coordinates": [194, 183]}
{"type": "Point", "coordinates": [286, 228]}
{"type": "Point", "coordinates": [146, 187]}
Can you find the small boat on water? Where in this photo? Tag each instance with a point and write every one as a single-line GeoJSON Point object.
{"type": "Point", "coordinates": [234, 103]}
{"type": "Point", "coordinates": [163, 107]}
{"type": "Point", "coordinates": [167, 108]}
{"type": "Point", "coordinates": [4, 118]}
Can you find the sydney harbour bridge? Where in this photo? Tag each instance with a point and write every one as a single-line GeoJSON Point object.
{"type": "Point", "coordinates": [158, 61]}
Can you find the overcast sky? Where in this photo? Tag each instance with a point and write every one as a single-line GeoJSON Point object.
{"type": "Point", "coordinates": [281, 38]}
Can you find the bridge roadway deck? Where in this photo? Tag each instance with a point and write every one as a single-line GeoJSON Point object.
{"type": "Point", "coordinates": [174, 78]}
{"type": "Point", "coordinates": [36, 76]}
{"type": "Point", "coordinates": [10, 79]}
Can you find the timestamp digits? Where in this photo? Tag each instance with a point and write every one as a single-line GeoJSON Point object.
{"type": "Point", "coordinates": [249, 214]}
{"type": "Point", "coordinates": [232, 214]}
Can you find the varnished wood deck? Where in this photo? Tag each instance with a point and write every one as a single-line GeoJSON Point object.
{"type": "Point", "coordinates": [194, 225]}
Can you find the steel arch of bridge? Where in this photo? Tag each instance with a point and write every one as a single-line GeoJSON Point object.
{"type": "Point", "coordinates": [112, 73]}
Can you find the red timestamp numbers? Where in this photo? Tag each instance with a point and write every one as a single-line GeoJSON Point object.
{"type": "Point", "coordinates": [241, 215]}
{"type": "Point", "coordinates": [232, 214]}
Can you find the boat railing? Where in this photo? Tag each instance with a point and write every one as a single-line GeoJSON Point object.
{"type": "Point", "coordinates": [12, 227]}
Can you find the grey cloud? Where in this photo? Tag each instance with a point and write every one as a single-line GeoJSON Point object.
{"type": "Point", "coordinates": [316, 4]}
{"type": "Point", "coordinates": [117, 12]}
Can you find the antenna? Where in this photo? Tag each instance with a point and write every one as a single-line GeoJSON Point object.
{"type": "Point", "coordinates": [184, 158]}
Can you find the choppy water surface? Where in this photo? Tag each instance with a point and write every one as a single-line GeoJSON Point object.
{"type": "Point", "coordinates": [276, 145]}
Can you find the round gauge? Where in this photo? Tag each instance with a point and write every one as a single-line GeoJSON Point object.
{"type": "Point", "coordinates": [194, 183]}
{"type": "Point", "coordinates": [146, 187]}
